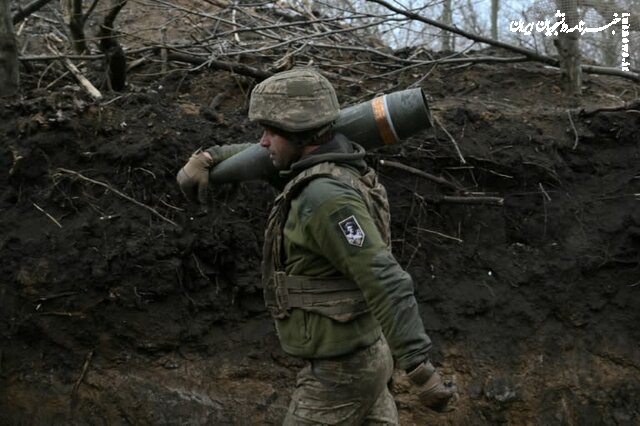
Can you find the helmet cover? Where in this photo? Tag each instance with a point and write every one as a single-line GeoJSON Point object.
{"type": "Point", "coordinates": [294, 101]}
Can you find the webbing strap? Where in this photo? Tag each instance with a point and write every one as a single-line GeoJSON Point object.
{"type": "Point", "coordinates": [335, 297]}
{"type": "Point", "coordinates": [299, 283]}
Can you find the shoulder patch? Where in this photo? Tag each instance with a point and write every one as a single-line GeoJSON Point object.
{"type": "Point", "coordinates": [352, 231]}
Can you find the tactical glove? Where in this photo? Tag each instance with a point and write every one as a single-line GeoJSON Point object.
{"type": "Point", "coordinates": [433, 392]}
{"type": "Point", "coordinates": [193, 178]}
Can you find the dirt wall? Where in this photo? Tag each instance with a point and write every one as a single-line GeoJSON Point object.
{"type": "Point", "coordinates": [122, 304]}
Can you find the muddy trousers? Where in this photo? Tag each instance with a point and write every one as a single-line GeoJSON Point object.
{"type": "Point", "coordinates": [346, 390]}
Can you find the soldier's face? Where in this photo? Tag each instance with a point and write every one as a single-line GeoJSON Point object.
{"type": "Point", "coordinates": [281, 152]}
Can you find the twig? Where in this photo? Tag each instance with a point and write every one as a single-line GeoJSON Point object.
{"type": "Point", "coordinates": [314, 35]}
{"type": "Point", "coordinates": [136, 62]}
{"type": "Point", "coordinates": [455, 144]}
{"type": "Point", "coordinates": [413, 254]}
{"type": "Point", "coordinates": [545, 200]}
{"type": "Point", "coordinates": [63, 75]}
{"type": "Point", "coordinates": [222, 65]}
{"type": "Point", "coordinates": [439, 234]}
{"type": "Point", "coordinates": [496, 201]}
{"type": "Point", "coordinates": [575, 131]}
{"type": "Point", "coordinates": [110, 188]}
{"type": "Point", "coordinates": [63, 314]}
{"type": "Point", "coordinates": [47, 214]}
{"type": "Point", "coordinates": [85, 367]}
{"type": "Point", "coordinates": [202, 274]}
{"type": "Point", "coordinates": [367, 50]}
{"type": "Point", "coordinates": [170, 206]}
{"type": "Point", "coordinates": [57, 296]}
{"type": "Point", "coordinates": [543, 191]}
{"type": "Point", "coordinates": [420, 173]}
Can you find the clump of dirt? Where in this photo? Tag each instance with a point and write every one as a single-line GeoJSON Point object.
{"type": "Point", "coordinates": [122, 303]}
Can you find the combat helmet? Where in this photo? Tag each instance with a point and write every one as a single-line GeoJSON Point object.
{"type": "Point", "coordinates": [295, 101]}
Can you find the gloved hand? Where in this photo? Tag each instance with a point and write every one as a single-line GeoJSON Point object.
{"type": "Point", "coordinates": [193, 178]}
{"type": "Point", "coordinates": [433, 392]}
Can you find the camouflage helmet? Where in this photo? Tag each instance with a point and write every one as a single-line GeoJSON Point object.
{"type": "Point", "coordinates": [294, 101]}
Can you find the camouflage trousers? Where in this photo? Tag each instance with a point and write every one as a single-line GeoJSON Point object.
{"type": "Point", "coordinates": [346, 390]}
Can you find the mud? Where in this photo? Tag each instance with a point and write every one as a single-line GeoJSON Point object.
{"type": "Point", "coordinates": [120, 303]}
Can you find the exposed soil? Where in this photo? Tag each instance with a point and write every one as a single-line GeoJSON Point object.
{"type": "Point", "coordinates": [122, 304]}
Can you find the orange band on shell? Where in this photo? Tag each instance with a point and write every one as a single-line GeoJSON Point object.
{"type": "Point", "coordinates": [382, 123]}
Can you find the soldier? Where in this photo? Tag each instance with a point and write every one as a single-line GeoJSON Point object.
{"type": "Point", "coordinates": [338, 296]}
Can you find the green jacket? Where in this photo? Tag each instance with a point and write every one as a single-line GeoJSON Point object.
{"type": "Point", "coordinates": [329, 232]}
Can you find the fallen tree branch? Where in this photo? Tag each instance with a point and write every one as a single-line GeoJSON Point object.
{"type": "Point", "coordinates": [594, 69]}
{"type": "Point", "coordinates": [84, 82]}
{"type": "Point", "coordinates": [417, 172]}
{"type": "Point", "coordinates": [60, 57]}
{"type": "Point", "coordinates": [28, 10]}
{"type": "Point", "coordinates": [627, 106]}
{"type": "Point", "coordinates": [126, 197]}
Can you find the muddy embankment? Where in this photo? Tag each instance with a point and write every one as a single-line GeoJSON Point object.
{"type": "Point", "coordinates": [122, 304]}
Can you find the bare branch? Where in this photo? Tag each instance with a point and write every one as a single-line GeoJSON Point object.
{"type": "Point", "coordinates": [126, 197]}
{"type": "Point", "coordinates": [28, 10]}
{"type": "Point", "coordinates": [90, 10]}
{"type": "Point", "coordinates": [221, 65]}
{"type": "Point", "coordinates": [417, 172]}
{"type": "Point", "coordinates": [452, 139]}
{"type": "Point", "coordinates": [532, 55]}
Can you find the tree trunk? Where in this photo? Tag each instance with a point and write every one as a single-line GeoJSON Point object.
{"type": "Point", "coordinates": [9, 75]}
{"type": "Point", "coordinates": [75, 20]}
{"type": "Point", "coordinates": [115, 59]}
{"type": "Point", "coordinates": [447, 17]}
{"type": "Point", "coordinates": [611, 48]}
{"type": "Point", "coordinates": [495, 6]}
{"type": "Point", "coordinates": [568, 45]}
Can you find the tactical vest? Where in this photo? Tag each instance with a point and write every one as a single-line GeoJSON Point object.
{"type": "Point", "coordinates": [335, 297]}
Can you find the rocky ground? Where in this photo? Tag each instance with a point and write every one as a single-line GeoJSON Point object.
{"type": "Point", "coordinates": [120, 303]}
